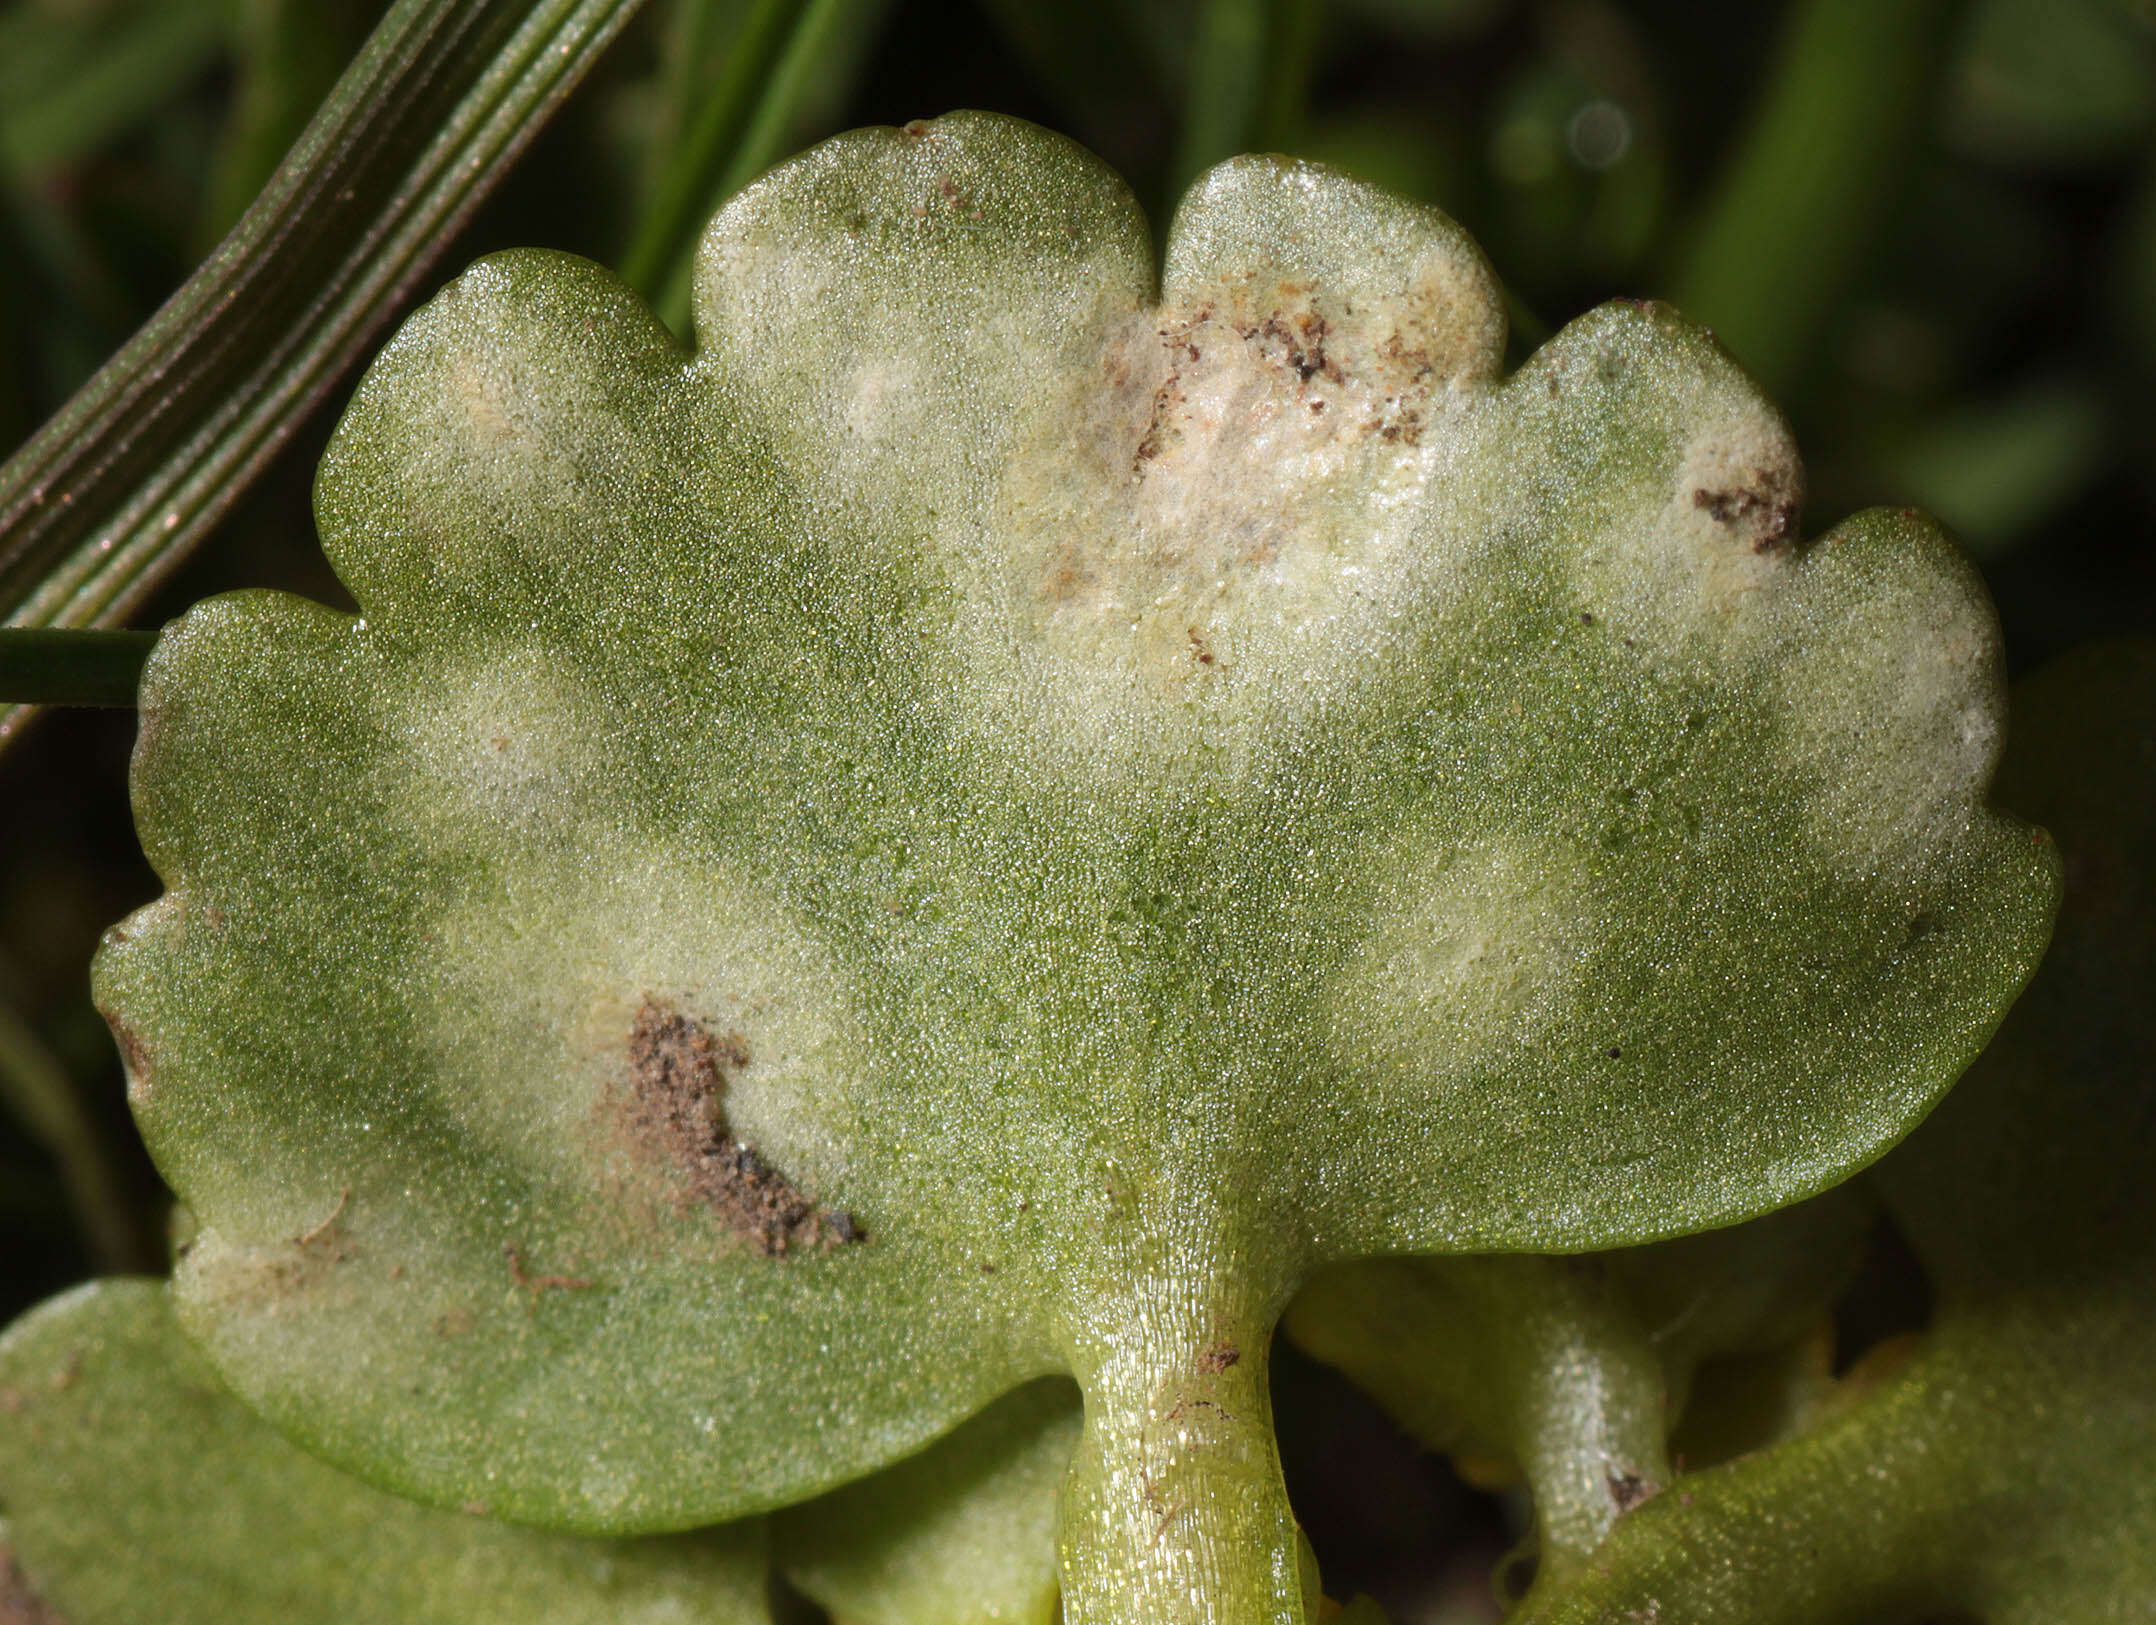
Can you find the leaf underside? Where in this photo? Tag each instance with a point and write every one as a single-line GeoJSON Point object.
{"type": "Point", "coordinates": [2002, 1473]}
{"type": "Point", "coordinates": [136, 1489]}
{"type": "Point", "coordinates": [1000, 811]}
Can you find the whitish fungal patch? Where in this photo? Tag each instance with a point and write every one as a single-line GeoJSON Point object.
{"type": "Point", "coordinates": [1469, 952]}
{"type": "Point", "coordinates": [542, 972]}
{"type": "Point", "coordinates": [1209, 527]}
{"type": "Point", "coordinates": [514, 741]}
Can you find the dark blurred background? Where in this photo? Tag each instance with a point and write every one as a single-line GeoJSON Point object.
{"type": "Point", "coordinates": [1928, 227]}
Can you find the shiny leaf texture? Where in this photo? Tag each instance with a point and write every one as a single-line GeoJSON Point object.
{"type": "Point", "coordinates": [135, 1488]}
{"type": "Point", "coordinates": [2002, 1473]}
{"type": "Point", "coordinates": [993, 816]}
{"type": "Point", "coordinates": [962, 1534]}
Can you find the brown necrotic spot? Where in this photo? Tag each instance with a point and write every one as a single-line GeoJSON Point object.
{"type": "Point", "coordinates": [1764, 507]}
{"type": "Point", "coordinates": [134, 1054]}
{"type": "Point", "coordinates": [674, 1108]}
{"type": "Point", "coordinates": [1628, 1490]}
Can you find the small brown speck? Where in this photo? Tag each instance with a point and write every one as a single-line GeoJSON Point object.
{"type": "Point", "coordinates": [1219, 1357]}
{"type": "Point", "coordinates": [1628, 1490]}
{"type": "Point", "coordinates": [322, 1231]}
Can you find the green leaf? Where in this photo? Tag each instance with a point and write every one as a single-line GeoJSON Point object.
{"type": "Point", "coordinates": [135, 1489]}
{"type": "Point", "coordinates": [1576, 1372]}
{"type": "Point", "coordinates": [2003, 1473]}
{"type": "Point", "coordinates": [995, 816]}
{"type": "Point", "coordinates": [962, 1534]}
{"type": "Point", "coordinates": [111, 495]}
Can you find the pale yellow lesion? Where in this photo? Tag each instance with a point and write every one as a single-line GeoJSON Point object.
{"type": "Point", "coordinates": [505, 418]}
{"type": "Point", "coordinates": [1472, 950]}
{"type": "Point", "coordinates": [545, 980]}
{"type": "Point", "coordinates": [1214, 524]}
{"type": "Point", "coordinates": [514, 740]}
{"type": "Point", "coordinates": [1893, 691]}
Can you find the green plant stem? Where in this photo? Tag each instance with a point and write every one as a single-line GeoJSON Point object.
{"type": "Point", "coordinates": [1248, 76]}
{"type": "Point", "coordinates": [105, 500]}
{"type": "Point", "coordinates": [1174, 1508]}
{"type": "Point", "coordinates": [1812, 181]}
{"type": "Point", "coordinates": [1538, 1359]}
{"type": "Point", "coordinates": [37, 1089]}
{"type": "Point", "coordinates": [66, 667]}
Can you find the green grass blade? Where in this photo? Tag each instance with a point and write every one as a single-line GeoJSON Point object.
{"type": "Point", "coordinates": [120, 485]}
{"type": "Point", "coordinates": [1247, 79]}
{"type": "Point", "coordinates": [39, 667]}
{"type": "Point", "coordinates": [818, 37]}
{"type": "Point", "coordinates": [682, 194]}
{"type": "Point", "coordinates": [72, 79]}
{"type": "Point", "coordinates": [1851, 95]}
{"type": "Point", "coordinates": [36, 1089]}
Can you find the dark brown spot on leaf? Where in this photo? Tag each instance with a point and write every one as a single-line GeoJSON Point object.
{"type": "Point", "coordinates": [1219, 1357]}
{"type": "Point", "coordinates": [1628, 1490]}
{"type": "Point", "coordinates": [535, 1284]}
{"type": "Point", "coordinates": [675, 1111]}
{"type": "Point", "coordinates": [1764, 508]}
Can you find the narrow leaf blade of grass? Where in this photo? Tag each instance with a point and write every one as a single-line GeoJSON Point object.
{"type": "Point", "coordinates": [706, 155]}
{"type": "Point", "coordinates": [37, 1090]}
{"type": "Point", "coordinates": [119, 486]}
{"type": "Point", "coordinates": [1248, 74]}
{"type": "Point", "coordinates": [821, 45]}
{"type": "Point", "coordinates": [1852, 93]}
{"type": "Point", "coordinates": [289, 54]}
{"type": "Point", "coordinates": [66, 667]}
{"type": "Point", "coordinates": [69, 84]}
